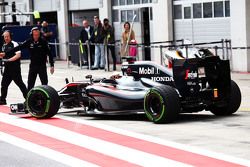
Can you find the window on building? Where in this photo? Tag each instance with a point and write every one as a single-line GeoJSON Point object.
{"type": "Point", "coordinates": [136, 12]}
{"type": "Point", "coordinates": [127, 15]}
{"type": "Point", "coordinates": [122, 2]}
{"type": "Point", "coordinates": [227, 8]}
{"type": "Point", "coordinates": [197, 10]}
{"type": "Point", "coordinates": [207, 10]}
{"type": "Point", "coordinates": [218, 9]}
{"type": "Point", "coordinates": [115, 15]}
{"type": "Point", "coordinates": [137, 1]}
{"type": "Point", "coordinates": [115, 2]}
{"type": "Point", "coordinates": [129, 2]}
{"type": "Point", "coordinates": [123, 16]}
{"type": "Point", "coordinates": [130, 15]}
{"type": "Point", "coordinates": [177, 12]}
{"type": "Point", "coordinates": [187, 12]}
{"type": "Point", "coordinates": [144, 1]}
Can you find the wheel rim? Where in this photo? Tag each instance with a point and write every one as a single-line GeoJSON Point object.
{"type": "Point", "coordinates": [155, 105]}
{"type": "Point", "coordinates": [37, 103]}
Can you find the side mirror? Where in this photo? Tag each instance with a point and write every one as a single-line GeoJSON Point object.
{"type": "Point", "coordinates": [88, 76]}
{"type": "Point", "coordinates": [129, 59]}
{"type": "Point", "coordinates": [66, 80]}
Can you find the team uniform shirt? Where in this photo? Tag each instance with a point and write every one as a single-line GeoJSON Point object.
{"type": "Point", "coordinates": [7, 47]}
{"type": "Point", "coordinates": [38, 52]}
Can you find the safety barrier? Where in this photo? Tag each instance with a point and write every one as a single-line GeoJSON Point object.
{"type": "Point", "coordinates": [222, 48]}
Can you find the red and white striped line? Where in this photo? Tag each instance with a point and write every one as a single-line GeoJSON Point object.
{"type": "Point", "coordinates": [77, 142]}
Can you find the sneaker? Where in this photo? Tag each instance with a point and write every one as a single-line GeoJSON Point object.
{"type": "Point", "coordinates": [83, 64]}
{"type": "Point", "coordinates": [94, 68]}
{"type": "Point", "coordinates": [3, 102]}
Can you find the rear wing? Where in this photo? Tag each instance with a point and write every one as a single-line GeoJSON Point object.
{"type": "Point", "coordinates": [191, 76]}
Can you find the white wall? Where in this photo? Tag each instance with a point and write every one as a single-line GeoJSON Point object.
{"type": "Point", "coordinates": [53, 5]}
{"type": "Point", "coordinates": [85, 4]}
{"type": "Point", "coordinates": [47, 5]}
{"type": "Point", "coordinates": [63, 31]}
{"type": "Point", "coordinates": [240, 27]}
{"type": "Point", "coordinates": [161, 26]}
{"type": "Point", "coordinates": [105, 10]}
{"type": "Point", "coordinates": [248, 33]}
{"type": "Point", "coordinates": [204, 30]}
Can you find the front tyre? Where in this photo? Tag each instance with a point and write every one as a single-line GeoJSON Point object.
{"type": "Point", "coordinates": [233, 103]}
{"type": "Point", "coordinates": [43, 102]}
{"type": "Point", "coordinates": [161, 104]}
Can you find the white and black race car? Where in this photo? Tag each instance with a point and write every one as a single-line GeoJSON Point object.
{"type": "Point", "coordinates": [191, 85]}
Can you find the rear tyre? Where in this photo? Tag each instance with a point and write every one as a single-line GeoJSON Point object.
{"type": "Point", "coordinates": [43, 102]}
{"type": "Point", "coordinates": [233, 103]}
{"type": "Point", "coordinates": [161, 104]}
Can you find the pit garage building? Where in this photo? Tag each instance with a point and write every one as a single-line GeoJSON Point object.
{"type": "Point", "coordinates": [157, 20]}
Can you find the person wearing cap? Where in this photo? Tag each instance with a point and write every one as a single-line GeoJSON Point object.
{"type": "Point", "coordinates": [39, 50]}
{"type": "Point", "coordinates": [109, 35]}
{"type": "Point", "coordinates": [99, 47]}
{"type": "Point", "coordinates": [12, 70]}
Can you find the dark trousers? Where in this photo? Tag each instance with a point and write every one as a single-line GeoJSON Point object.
{"type": "Point", "coordinates": [33, 72]}
{"type": "Point", "coordinates": [112, 51]}
{"type": "Point", "coordinates": [85, 54]}
{"type": "Point", "coordinates": [9, 76]}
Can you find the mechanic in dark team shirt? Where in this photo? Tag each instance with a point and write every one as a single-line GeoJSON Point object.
{"type": "Point", "coordinates": [12, 70]}
{"type": "Point", "coordinates": [39, 50]}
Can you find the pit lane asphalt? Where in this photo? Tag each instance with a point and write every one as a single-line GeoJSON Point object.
{"type": "Point", "coordinates": [12, 156]}
{"type": "Point", "coordinates": [228, 135]}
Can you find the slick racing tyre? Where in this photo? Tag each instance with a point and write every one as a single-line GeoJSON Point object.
{"type": "Point", "coordinates": [234, 101]}
{"type": "Point", "coordinates": [161, 104]}
{"type": "Point", "coordinates": [43, 102]}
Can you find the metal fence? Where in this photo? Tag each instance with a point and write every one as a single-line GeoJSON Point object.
{"type": "Point", "coordinates": [222, 48]}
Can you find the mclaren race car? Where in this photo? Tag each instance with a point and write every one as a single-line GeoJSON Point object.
{"type": "Point", "coordinates": [191, 85]}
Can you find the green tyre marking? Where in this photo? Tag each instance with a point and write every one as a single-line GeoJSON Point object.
{"type": "Point", "coordinates": [163, 105]}
{"type": "Point", "coordinates": [47, 102]}
{"type": "Point", "coordinates": [147, 113]}
{"type": "Point", "coordinates": [162, 101]}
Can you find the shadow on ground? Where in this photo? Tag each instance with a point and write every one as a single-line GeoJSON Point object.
{"type": "Point", "coordinates": [182, 118]}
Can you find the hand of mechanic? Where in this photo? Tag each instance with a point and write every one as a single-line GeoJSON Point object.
{"type": "Point", "coordinates": [2, 54]}
{"type": "Point", "coordinates": [52, 70]}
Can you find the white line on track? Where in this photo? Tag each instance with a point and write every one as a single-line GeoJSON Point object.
{"type": "Point", "coordinates": [184, 147]}
{"type": "Point", "coordinates": [45, 152]}
{"type": "Point", "coordinates": [101, 146]}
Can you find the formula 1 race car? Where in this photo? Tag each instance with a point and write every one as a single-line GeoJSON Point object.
{"type": "Point", "coordinates": [191, 85]}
